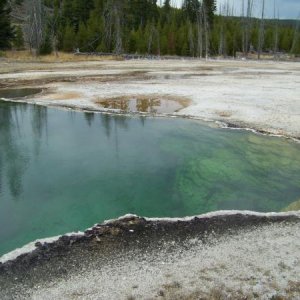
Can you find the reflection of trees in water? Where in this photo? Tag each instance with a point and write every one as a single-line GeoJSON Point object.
{"type": "Point", "coordinates": [39, 120]}
{"type": "Point", "coordinates": [121, 121]}
{"type": "Point", "coordinates": [13, 160]}
{"type": "Point", "coordinates": [135, 104]}
{"type": "Point", "coordinates": [13, 155]}
{"type": "Point", "coordinates": [108, 121]}
{"type": "Point", "coordinates": [143, 120]}
{"type": "Point", "coordinates": [39, 125]}
{"type": "Point", "coordinates": [116, 104]}
{"type": "Point", "coordinates": [89, 117]}
{"type": "Point", "coordinates": [147, 105]}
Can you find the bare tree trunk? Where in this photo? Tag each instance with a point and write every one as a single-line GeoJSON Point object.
{"type": "Point", "coordinates": [222, 42]}
{"type": "Point", "coordinates": [53, 27]}
{"type": "Point", "coordinates": [191, 41]}
{"type": "Point", "coordinates": [261, 31]}
{"type": "Point", "coordinates": [206, 30]}
{"type": "Point", "coordinates": [244, 28]}
{"type": "Point", "coordinates": [108, 24]}
{"type": "Point", "coordinates": [34, 26]}
{"type": "Point", "coordinates": [157, 37]}
{"type": "Point", "coordinates": [276, 39]}
{"type": "Point", "coordinates": [222, 38]}
{"type": "Point", "coordinates": [248, 25]}
{"type": "Point", "coordinates": [234, 39]}
{"type": "Point", "coordinates": [150, 38]}
{"type": "Point", "coordinates": [113, 26]}
{"type": "Point", "coordinates": [296, 36]}
{"type": "Point", "coordinates": [199, 34]}
{"type": "Point", "coordinates": [118, 31]}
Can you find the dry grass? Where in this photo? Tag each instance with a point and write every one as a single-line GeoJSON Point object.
{"type": "Point", "coordinates": [26, 56]}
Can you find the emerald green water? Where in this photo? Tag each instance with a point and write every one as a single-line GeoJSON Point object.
{"type": "Point", "coordinates": [62, 171]}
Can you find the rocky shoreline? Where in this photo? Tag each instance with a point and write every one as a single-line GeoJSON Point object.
{"type": "Point", "coordinates": [113, 241]}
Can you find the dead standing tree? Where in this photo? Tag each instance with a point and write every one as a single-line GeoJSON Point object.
{"type": "Point", "coordinates": [113, 19]}
{"type": "Point", "coordinates": [203, 31]}
{"type": "Point", "coordinates": [108, 22]}
{"type": "Point", "coordinates": [34, 27]}
{"type": "Point", "coordinates": [191, 40]}
{"type": "Point", "coordinates": [222, 32]}
{"type": "Point", "coordinates": [261, 31]}
{"type": "Point", "coordinates": [247, 21]}
{"type": "Point", "coordinates": [53, 22]}
{"type": "Point", "coordinates": [206, 29]}
{"type": "Point", "coordinates": [296, 37]}
{"type": "Point", "coordinates": [276, 32]}
{"type": "Point", "coordinates": [153, 36]}
{"type": "Point", "coordinates": [118, 29]}
{"type": "Point", "coordinates": [200, 32]}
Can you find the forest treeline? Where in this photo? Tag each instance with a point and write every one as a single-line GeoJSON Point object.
{"type": "Point", "coordinates": [144, 27]}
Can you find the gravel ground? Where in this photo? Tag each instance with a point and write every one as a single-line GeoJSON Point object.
{"type": "Point", "coordinates": [233, 256]}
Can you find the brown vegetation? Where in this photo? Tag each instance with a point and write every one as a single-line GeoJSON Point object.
{"type": "Point", "coordinates": [27, 56]}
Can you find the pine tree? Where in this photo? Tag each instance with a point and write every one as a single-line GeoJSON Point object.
{"type": "Point", "coordinates": [142, 26]}
{"type": "Point", "coordinates": [46, 45]}
{"type": "Point", "coordinates": [190, 9]}
{"type": "Point", "coordinates": [82, 38]}
{"type": "Point", "coordinates": [211, 7]}
{"type": "Point", "coordinates": [6, 30]}
{"type": "Point", "coordinates": [19, 39]}
{"type": "Point", "coordinates": [165, 12]}
{"type": "Point", "coordinates": [69, 39]}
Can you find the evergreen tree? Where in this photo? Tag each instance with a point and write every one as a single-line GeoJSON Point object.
{"type": "Point", "coordinates": [6, 30]}
{"type": "Point", "coordinates": [210, 8]}
{"type": "Point", "coordinates": [69, 39]}
{"type": "Point", "coordinates": [142, 26]}
{"type": "Point", "coordinates": [82, 38]}
{"type": "Point", "coordinates": [166, 11]}
{"type": "Point", "coordinates": [19, 39]}
{"type": "Point", "coordinates": [191, 9]}
{"type": "Point", "coordinates": [46, 45]}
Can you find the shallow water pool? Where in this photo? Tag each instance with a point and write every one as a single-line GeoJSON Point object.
{"type": "Point", "coordinates": [62, 171]}
{"type": "Point", "coordinates": [18, 93]}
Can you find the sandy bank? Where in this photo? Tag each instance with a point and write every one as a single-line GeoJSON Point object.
{"type": "Point", "coordinates": [259, 95]}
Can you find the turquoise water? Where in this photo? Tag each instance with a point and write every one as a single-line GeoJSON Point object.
{"type": "Point", "coordinates": [62, 171]}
